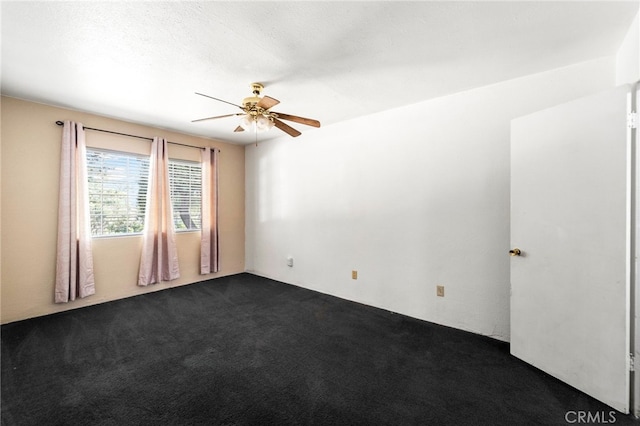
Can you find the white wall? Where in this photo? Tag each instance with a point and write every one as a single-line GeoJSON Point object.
{"type": "Point", "coordinates": [411, 198]}
{"type": "Point", "coordinates": [628, 57]}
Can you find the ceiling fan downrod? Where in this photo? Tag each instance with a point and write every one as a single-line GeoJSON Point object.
{"type": "Point", "coordinates": [250, 102]}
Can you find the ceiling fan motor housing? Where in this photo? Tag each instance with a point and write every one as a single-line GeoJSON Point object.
{"type": "Point", "coordinates": [251, 101]}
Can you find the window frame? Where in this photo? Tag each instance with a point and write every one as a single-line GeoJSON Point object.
{"type": "Point", "coordinates": [177, 216]}
{"type": "Point", "coordinates": [143, 182]}
{"type": "Point", "coordinates": [192, 200]}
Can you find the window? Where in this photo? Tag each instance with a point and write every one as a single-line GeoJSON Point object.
{"type": "Point", "coordinates": [118, 183]}
{"type": "Point", "coordinates": [185, 182]}
{"type": "Point", "coordinates": [117, 191]}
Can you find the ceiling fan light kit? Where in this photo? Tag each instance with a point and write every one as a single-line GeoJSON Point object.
{"type": "Point", "coordinates": [257, 117]}
{"type": "Point", "coordinates": [257, 123]}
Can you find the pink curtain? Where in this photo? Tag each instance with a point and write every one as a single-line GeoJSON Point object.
{"type": "Point", "coordinates": [159, 261]}
{"type": "Point", "coordinates": [209, 250]}
{"type": "Point", "coordinates": [74, 259]}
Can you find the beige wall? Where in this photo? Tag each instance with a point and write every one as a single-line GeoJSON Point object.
{"type": "Point", "coordinates": [30, 148]}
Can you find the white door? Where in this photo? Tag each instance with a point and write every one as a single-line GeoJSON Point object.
{"type": "Point", "coordinates": [570, 217]}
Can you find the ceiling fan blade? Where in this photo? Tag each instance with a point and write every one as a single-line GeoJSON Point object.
{"type": "Point", "coordinates": [239, 129]}
{"type": "Point", "coordinates": [216, 99]}
{"type": "Point", "coordinates": [286, 128]}
{"type": "Point", "coordinates": [302, 120]}
{"type": "Point", "coordinates": [213, 118]}
{"type": "Point", "coordinates": [267, 102]}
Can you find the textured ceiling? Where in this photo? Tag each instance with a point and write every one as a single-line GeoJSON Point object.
{"type": "Point", "coordinates": [332, 61]}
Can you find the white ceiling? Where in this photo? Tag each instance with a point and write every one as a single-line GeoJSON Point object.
{"type": "Point", "coordinates": [332, 61]}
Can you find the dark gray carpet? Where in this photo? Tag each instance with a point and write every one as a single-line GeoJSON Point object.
{"type": "Point", "coordinates": [245, 350]}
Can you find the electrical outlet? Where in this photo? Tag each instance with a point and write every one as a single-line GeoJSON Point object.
{"type": "Point", "coordinates": [354, 275]}
{"type": "Point", "coordinates": [440, 291]}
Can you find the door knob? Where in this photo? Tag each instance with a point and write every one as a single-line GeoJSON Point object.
{"type": "Point", "coordinates": [515, 252]}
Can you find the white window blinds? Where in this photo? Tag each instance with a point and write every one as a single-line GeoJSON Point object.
{"type": "Point", "coordinates": [118, 192]}
{"type": "Point", "coordinates": [186, 191]}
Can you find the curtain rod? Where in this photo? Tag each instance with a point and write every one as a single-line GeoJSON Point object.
{"type": "Point", "coordinates": [60, 123]}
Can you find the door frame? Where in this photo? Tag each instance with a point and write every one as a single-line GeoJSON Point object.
{"type": "Point", "coordinates": [634, 273]}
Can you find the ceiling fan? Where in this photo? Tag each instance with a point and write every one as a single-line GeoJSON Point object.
{"type": "Point", "coordinates": [257, 115]}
